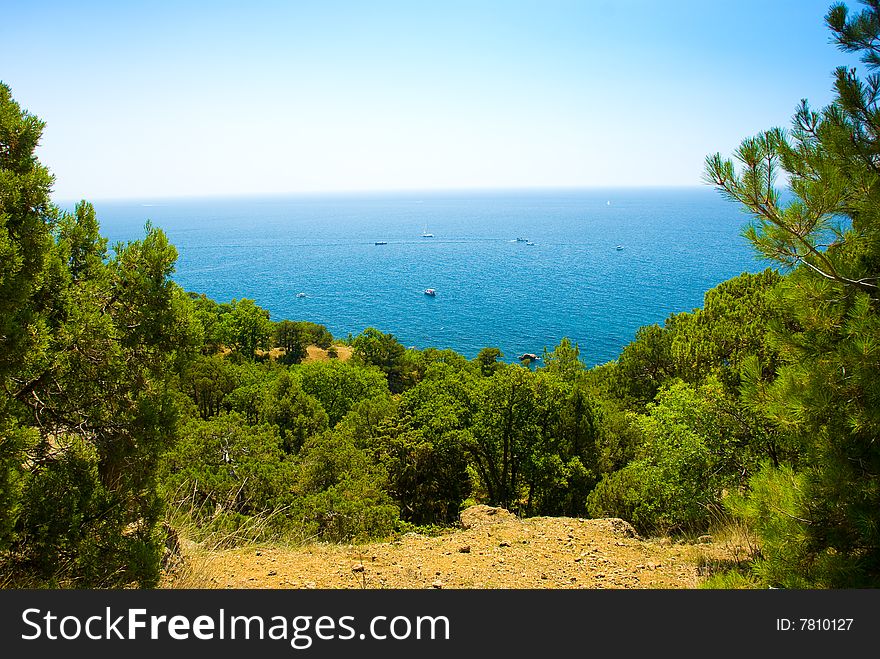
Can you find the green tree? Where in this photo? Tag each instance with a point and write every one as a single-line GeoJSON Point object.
{"type": "Point", "coordinates": [317, 334]}
{"type": "Point", "coordinates": [247, 327]}
{"type": "Point", "coordinates": [488, 360]}
{"type": "Point", "coordinates": [563, 465]}
{"type": "Point", "coordinates": [209, 314]}
{"type": "Point", "coordinates": [26, 219]}
{"type": "Point", "coordinates": [826, 393]}
{"type": "Point", "coordinates": [92, 343]}
{"type": "Point", "coordinates": [384, 351]}
{"type": "Point", "coordinates": [295, 414]}
{"type": "Point", "coordinates": [646, 363]}
{"type": "Point", "coordinates": [417, 364]}
{"type": "Point", "coordinates": [294, 339]}
{"type": "Point", "coordinates": [564, 360]}
{"type": "Point", "coordinates": [732, 326]}
{"type": "Point", "coordinates": [208, 380]}
{"type": "Point", "coordinates": [425, 450]}
{"type": "Point", "coordinates": [503, 434]}
{"type": "Point", "coordinates": [338, 386]}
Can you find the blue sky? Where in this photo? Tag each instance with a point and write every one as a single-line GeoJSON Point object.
{"type": "Point", "coordinates": [166, 99]}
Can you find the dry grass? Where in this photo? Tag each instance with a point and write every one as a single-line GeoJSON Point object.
{"type": "Point", "coordinates": [728, 559]}
{"type": "Point", "coordinates": [190, 547]}
{"type": "Point", "coordinates": [316, 354]}
{"type": "Point", "coordinates": [192, 564]}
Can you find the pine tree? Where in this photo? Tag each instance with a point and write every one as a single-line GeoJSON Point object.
{"type": "Point", "coordinates": [819, 515]}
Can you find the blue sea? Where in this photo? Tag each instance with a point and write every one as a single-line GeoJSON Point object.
{"type": "Point", "coordinates": [491, 290]}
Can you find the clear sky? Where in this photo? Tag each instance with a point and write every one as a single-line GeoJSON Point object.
{"type": "Point", "coordinates": [159, 99]}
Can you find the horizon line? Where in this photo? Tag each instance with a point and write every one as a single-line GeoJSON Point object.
{"type": "Point", "coordinates": [382, 191]}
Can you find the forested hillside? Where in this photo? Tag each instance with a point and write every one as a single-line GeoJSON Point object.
{"type": "Point", "coordinates": [131, 409]}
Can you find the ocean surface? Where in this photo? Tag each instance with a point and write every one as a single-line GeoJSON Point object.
{"type": "Point", "coordinates": [491, 290]}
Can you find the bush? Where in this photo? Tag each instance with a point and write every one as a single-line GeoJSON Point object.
{"type": "Point", "coordinates": [680, 471]}
{"type": "Point", "coordinates": [223, 465]}
{"type": "Point", "coordinates": [80, 536]}
{"type": "Point", "coordinates": [340, 492]}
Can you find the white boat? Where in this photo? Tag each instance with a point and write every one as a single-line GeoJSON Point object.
{"type": "Point", "coordinates": [530, 243]}
{"type": "Point", "coordinates": [425, 233]}
{"type": "Point", "coordinates": [619, 247]}
{"type": "Point", "coordinates": [430, 291]}
{"type": "Point", "coordinates": [300, 294]}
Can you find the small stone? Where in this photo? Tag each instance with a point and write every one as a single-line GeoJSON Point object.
{"type": "Point", "coordinates": [437, 584]}
{"type": "Point", "coordinates": [358, 567]}
{"type": "Point", "coordinates": [311, 585]}
{"type": "Point", "coordinates": [465, 549]}
{"type": "Point", "coordinates": [259, 553]}
{"type": "Point", "coordinates": [272, 573]}
{"type": "Point", "coordinates": [504, 543]}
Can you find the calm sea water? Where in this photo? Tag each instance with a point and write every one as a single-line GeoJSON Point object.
{"type": "Point", "coordinates": [490, 289]}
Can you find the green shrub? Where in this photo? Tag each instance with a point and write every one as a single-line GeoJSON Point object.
{"type": "Point", "coordinates": [80, 536]}
{"type": "Point", "coordinates": [223, 465]}
{"type": "Point", "coordinates": [691, 453]}
{"type": "Point", "coordinates": [340, 493]}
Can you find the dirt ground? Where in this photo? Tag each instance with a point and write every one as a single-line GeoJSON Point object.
{"type": "Point", "coordinates": [494, 549]}
{"type": "Point", "coordinates": [316, 354]}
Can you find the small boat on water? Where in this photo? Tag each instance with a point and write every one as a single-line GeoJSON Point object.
{"type": "Point", "coordinates": [530, 243]}
{"type": "Point", "coordinates": [619, 248]}
{"type": "Point", "coordinates": [425, 233]}
{"type": "Point", "coordinates": [522, 240]}
{"type": "Point", "coordinates": [431, 292]}
{"type": "Point", "coordinates": [381, 242]}
{"type": "Point", "coordinates": [300, 294]}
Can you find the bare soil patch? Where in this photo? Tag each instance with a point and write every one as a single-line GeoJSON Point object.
{"type": "Point", "coordinates": [316, 354]}
{"type": "Point", "coordinates": [495, 550]}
